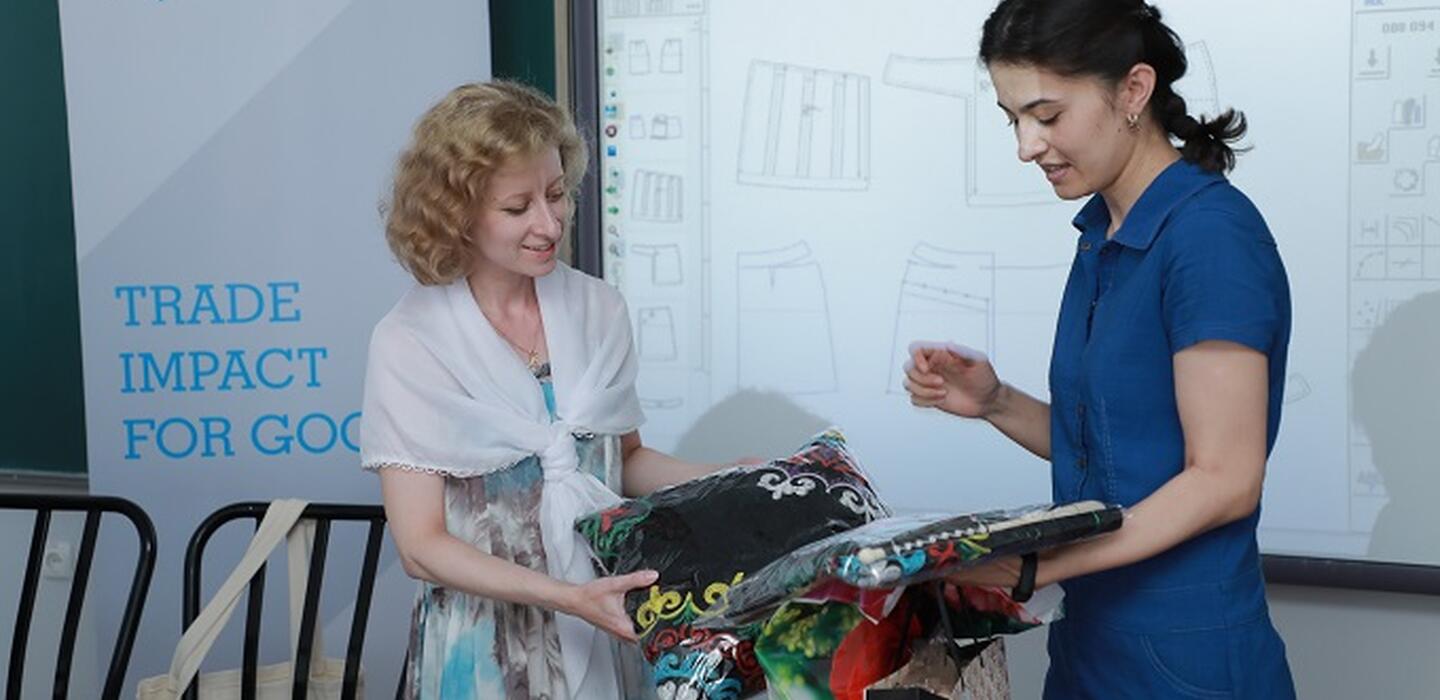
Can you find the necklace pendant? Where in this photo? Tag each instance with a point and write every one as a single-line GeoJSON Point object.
{"type": "Point", "coordinates": [533, 362]}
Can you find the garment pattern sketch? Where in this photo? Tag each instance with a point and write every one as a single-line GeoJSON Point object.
{"type": "Point", "coordinates": [805, 128]}
{"type": "Point", "coordinates": [784, 337]}
{"type": "Point", "coordinates": [657, 196]}
{"type": "Point", "coordinates": [664, 127]}
{"type": "Point", "coordinates": [660, 127]}
{"type": "Point", "coordinates": [945, 295]}
{"type": "Point", "coordinates": [655, 8]}
{"type": "Point", "coordinates": [672, 56]}
{"type": "Point", "coordinates": [995, 177]}
{"type": "Point", "coordinates": [639, 53]}
{"type": "Point", "coordinates": [665, 267]}
{"type": "Point", "coordinates": [655, 328]}
{"type": "Point", "coordinates": [1198, 87]}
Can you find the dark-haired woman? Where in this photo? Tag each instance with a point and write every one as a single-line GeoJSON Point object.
{"type": "Point", "coordinates": [1168, 363]}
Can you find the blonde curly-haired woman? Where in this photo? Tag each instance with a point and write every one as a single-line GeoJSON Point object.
{"type": "Point", "coordinates": [499, 405]}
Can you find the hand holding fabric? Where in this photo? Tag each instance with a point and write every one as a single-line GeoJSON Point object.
{"type": "Point", "coordinates": [602, 602]}
{"type": "Point", "coordinates": [1003, 572]}
{"type": "Point", "coordinates": [952, 378]}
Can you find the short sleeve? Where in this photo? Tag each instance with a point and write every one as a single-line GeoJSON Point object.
{"type": "Point", "coordinates": [1224, 281]}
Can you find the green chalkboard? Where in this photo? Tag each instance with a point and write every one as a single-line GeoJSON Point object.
{"type": "Point", "coordinates": [522, 42]}
{"type": "Point", "coordinates": [42, 414]}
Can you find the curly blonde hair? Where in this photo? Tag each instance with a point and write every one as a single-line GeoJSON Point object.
{"type": "Point", "coordinates": [457, 146]}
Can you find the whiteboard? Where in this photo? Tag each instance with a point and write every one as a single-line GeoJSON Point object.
{"type": "Point", "coordinates": [792, 192]}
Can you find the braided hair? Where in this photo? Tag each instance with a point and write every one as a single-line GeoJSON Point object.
{"type": "Point", "coordinates": [1105, 39]}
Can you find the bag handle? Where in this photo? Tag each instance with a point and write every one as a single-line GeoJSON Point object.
{"type": "Point", "coordinates": [299, 544]}
{"type": "Point", "coordinates": [195, 643]}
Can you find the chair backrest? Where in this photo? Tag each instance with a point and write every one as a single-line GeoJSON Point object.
{"type": "Point", "coordinates": [323, 514]}
{"type": "Point", "coordinates": [93, 507]}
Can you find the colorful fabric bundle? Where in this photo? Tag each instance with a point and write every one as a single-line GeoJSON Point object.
{"type": "Point", "coordinates": [705, 537]}
{"type": "Point", "coordinates": [896, 552]}
{"type": "Point", "coordinates": [831, 651]}
{"type": "Point", "coordinates": [980, 613]}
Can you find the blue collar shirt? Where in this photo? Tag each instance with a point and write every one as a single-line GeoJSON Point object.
{"type": "Point", "coordinates": [1193, 261]}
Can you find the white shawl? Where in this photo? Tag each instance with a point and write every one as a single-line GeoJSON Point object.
{"type": "Point", "coordinates": [444, 393]}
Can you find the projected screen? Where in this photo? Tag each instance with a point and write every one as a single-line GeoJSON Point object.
{"type": "Point", "coordinates": [793, 192]}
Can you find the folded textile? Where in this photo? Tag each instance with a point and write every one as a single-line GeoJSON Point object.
{"type": "Point", "coordinates": [895, 552]}
{"type": "Point", "coordinates": [705, 537]}
{"type": "Point", "coordinates": [831, 651]}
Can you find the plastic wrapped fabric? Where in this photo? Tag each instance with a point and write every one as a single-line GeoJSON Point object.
{"type": "Point", "coordinates": [979, 612]}
{"type": "Point", "coordinates": [797, 645]}
{"type": "Point", "coordinates": [900, 551]}
{"type": "Point", "coordinates": [706, 536]}
{"type": "Point", "coordinates": [830, 651]}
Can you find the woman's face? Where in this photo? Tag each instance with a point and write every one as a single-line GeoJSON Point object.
{"type": "Point", "coordinates": [1070, 127]}
{"type": "Point", "coordinates": [522, 215]}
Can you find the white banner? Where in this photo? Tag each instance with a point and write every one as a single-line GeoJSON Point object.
{"type": "Point", "coordinates": [229, 159]}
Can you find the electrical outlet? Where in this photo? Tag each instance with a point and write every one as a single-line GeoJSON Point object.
{"type": "Point", "coordinates": [59, 561]}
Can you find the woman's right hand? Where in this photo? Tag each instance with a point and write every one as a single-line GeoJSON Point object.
{"type": "Point", "coordinates": [962, 383]}
{"type": "Point", "coordinates": [602, 602]}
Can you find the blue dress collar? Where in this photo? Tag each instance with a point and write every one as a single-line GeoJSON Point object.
{"type": "Point", "coordinates": [1176, 183]}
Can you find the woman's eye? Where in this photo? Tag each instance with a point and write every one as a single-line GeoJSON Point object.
{"type": "Point", "coordinates": [515, 211]}
{"type": "Point", "coordinates": [1048, 122]}
{"type": "Point", "coordinates": [556, 196]}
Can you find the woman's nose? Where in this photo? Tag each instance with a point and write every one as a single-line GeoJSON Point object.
{"type": "Point", "coordinates": [550, 216]}
{"type": "Point", "coordinates": [1030, 144]}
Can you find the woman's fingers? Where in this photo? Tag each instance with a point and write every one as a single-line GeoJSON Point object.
{"type": "Point", "coordinates": [620, 624]}
{"type": "Point", "coordinates": [926, 379]}
{"type": "Point", "coordinates": [929, 393]}
{"type": "Point", "coordinates": [637, 579]}
{"type": "Point", "coordinates": [921, 362]}
{"type": "Point", "coordinates": [923, 395]}
{"type": "Point", "coordinates": [606, 605]}
{"type": "Point", "coordinates": [931, 380]}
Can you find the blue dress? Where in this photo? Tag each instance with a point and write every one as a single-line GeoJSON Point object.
{"type": "Point", "coordinates": [1193, 261]}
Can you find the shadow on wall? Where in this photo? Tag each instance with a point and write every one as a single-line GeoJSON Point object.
{"type": "Point", "coordinates": [1395, 386]}
{"type": "Point", "coordinates": [749, 424]}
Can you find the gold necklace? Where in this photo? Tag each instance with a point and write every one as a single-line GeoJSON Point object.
{"type": "Point", "coordinates": [532, 356]}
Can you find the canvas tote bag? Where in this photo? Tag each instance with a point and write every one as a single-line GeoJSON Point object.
{"type": "Point", "coordinates": [272, 682]}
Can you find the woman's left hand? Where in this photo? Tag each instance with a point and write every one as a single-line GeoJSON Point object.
{"type": "Point", "coordinates": [1000, 573]}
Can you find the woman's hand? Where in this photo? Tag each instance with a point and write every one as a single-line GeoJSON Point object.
{"type": "Point", "coordinates": [961, 383]}
{"type": "Point", "coordinates": [1000, 573]}
{"type": "Point", "coordinates": [602, 602]}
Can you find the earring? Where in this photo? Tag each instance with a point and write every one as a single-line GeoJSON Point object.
{"type": "Point", "coordinates": [1133, 121]}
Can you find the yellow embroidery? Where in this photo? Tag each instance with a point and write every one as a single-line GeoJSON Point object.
{"type": "Point", "coordinates": [668, 605]}
{"type": "Point", "coordinates": [971, 547]}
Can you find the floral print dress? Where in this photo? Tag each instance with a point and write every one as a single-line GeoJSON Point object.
{"type": "Point", "coordinates": [464, 646]}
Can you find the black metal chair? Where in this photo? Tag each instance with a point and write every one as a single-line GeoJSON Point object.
{"type": "Point", "coordinates": [323, 514]}
{"type": "Point", "coordinates": [93, 507]}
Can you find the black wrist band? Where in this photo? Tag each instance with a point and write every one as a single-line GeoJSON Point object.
{"type": "Point", "coordinates": [1026, 587]}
